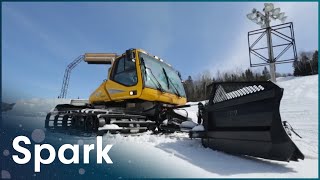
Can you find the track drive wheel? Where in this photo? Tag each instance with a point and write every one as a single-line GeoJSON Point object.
{"type": "Point", "coordinates": [91, 123]}
{"type": "Point", "coordinates": [78, 122]}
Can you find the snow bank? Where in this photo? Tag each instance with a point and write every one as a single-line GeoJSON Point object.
{"type": "Point", "coordinates": [188, 124]}
{"type": "Point", "coordinates": [198, 128]}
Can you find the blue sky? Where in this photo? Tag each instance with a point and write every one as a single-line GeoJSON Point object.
{"type": "Point", "coordinates": [40, 39]}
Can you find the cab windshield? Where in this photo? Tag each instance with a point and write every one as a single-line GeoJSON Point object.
{"type": "Point", "coordinates": [158, 75]}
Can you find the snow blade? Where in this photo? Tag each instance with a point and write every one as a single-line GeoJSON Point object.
{"type": "Point", "coordinates": [243, 118]}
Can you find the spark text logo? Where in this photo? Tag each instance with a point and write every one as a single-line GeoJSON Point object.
{"type": "Point", "coordinates": [38, 160]}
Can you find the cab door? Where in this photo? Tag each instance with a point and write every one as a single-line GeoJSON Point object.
{"type": "Point", "coordinates": [125, 80]}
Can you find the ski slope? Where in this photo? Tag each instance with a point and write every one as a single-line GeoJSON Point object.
{"type": "Point", "coordinates": [178, 156]}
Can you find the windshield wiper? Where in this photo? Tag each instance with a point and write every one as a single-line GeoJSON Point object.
{"type": "Point", "coordinates": [169, 80]}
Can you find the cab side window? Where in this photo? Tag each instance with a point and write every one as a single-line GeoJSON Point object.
{"type": "Point", "coordinates": [125, 72]}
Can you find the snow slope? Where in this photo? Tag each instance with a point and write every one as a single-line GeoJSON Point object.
{"type": "Point", "coordinates": [299, 106]}
{"type": "Point", "coordinates": [185, 157]}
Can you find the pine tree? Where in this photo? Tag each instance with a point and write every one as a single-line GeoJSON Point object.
{"type": "Point", "coordinates": [296, 68]}
{"type": "Point", "coordinates": [304, 64]}
{"type": "Point", "coordinates": [315, 62]}
{"type": "Point", "coordinates": [266, 73]}
{"type": "Point", "coordinates": [189, 88]}
{"type": "Point", "coordinates": [249, 75]}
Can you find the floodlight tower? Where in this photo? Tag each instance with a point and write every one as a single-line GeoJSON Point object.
{"type": "Point", "coordinates": [264, 21]}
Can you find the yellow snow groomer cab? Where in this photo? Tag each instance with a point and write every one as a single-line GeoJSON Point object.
{"type": "Point", "coordinates": [137, 77]}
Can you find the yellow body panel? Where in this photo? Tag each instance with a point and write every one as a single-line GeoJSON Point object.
{"type": "Point", "coordinates": [100, 94]}
{"type": "Point", "coordinates": [110, 91]}
{"type": "Point", "coordinates": [149, 94]}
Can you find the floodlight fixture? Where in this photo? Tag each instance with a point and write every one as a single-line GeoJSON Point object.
{"type": "Point", "coordinates": [283, 19]}
{"type": "Point", "coordinates": [281, 15]}
{"type": "Point", "coordinates": [268, 7]}
{"type": "Point", "coordinates": [270, 12]}
{"type": "Point", "coordinates": [254, 10]}
{"type": "Point", "coordinates": [255, 20]}
{"type": "Point", "coordinates": [276, 12]}
{"type": "Point", "coordinates": [250, 16]}
{"type": "Point", "coordinates": [273, 17]}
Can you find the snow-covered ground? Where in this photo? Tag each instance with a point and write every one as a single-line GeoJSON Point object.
{"type": "Point", "coordinates": [185, 157]}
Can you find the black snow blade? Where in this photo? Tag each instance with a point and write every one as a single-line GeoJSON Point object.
{"type": "Point", "coordinates": [243, 118]}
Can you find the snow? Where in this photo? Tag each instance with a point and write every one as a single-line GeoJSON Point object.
{"type": "Point", "coordinates": [198, 128]}
{"type": "Point", "coordinates": [181, 156]}
{"type": "Point", "coordinates": [109, 127]}
{"type": "Point", "coordinates": [299, 106]}
{"type": "Point", "coordinates": [188, 124]}
{"type": "Point", "coordinates": [165, 122]}
{"type": "Point", "coordinates": [182, 112]}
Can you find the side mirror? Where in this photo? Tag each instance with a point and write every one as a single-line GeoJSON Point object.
{"type": "Point", "coordinates": [129, 55]}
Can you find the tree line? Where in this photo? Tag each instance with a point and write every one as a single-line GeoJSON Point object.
{"type": "Point", "coordinates": [306, 64]}
{"type": "Point", "coordinates": [197, 88]}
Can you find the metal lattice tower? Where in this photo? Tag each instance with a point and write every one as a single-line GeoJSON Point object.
{"type": "Point", "coordinates": [264, 19]}
{"type": "Point", "coordinates": [66, 78]}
